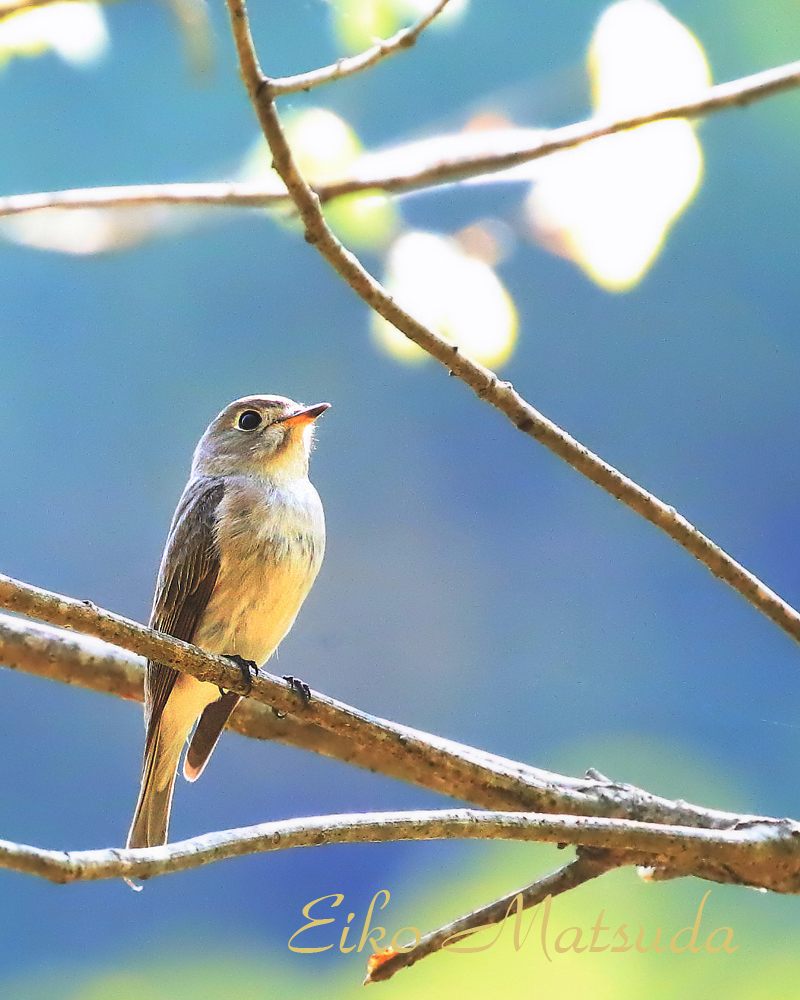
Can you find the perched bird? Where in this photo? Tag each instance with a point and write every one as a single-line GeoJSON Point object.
{"type": "Point", "coordinates": [244, 548]}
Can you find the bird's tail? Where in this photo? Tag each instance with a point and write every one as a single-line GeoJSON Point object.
{"type": "Point", "coordinates": [151, 818]}
{"type": "Point", "coordinates": [208, 731]}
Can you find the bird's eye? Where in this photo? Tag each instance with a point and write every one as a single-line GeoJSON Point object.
{"type": "Point", "coordinates": [249, 420]}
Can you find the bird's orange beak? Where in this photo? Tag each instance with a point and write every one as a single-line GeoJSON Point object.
{"type": "Point", "coordinates": [304, 416]}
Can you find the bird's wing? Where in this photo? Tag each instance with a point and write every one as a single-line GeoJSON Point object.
{"type": "Point", "coordinates": [186, 580]}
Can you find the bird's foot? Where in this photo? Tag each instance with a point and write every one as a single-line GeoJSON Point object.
{"type": "Point", "coordinates": [249, 669]}
{"type": "Point", "coordinates": [299, 687]}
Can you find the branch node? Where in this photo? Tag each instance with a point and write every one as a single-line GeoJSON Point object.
{"type": "Point", "coordinates": [262, 89]}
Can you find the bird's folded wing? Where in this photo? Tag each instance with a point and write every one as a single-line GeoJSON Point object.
{"type": "Point", "coordinates": [186, 580]}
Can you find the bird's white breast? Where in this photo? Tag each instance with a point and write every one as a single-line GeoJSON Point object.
{"type": "Point", "coordinates": [271, 541]}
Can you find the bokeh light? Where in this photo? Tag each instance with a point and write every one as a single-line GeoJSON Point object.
{"type": "Point", "coordinates": [75, 30]}
{"type": "Point", "coordinates": [457, 295]}
{"type": "Point", "coordinates": [609, 203]}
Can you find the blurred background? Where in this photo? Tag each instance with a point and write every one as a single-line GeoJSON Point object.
{"type": "Point", "coordinates": [645, 297]}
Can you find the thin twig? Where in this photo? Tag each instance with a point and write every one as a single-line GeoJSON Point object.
{"type": "Point", "coordinates": [480, 379]}
{"type": "Point", "coordinates": [432, 762]}
{"type": "Point", "coordinates": [720, 97]}
{"type": "Point", "coordinates": [764, 854]}
{"type": "Point", "coordinates": [430, 168]}
{"type": "Point", "coordinates": [219, 193]}
{"type": "Point", "coordinates": [588, 864]}
{"type": "Point", "coordinates": [403, 39]}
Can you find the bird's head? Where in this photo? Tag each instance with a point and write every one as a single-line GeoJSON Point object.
{"type": "Point", "coordinates": [265, 436]}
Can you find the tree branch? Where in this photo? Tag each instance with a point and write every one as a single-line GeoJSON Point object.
{"type": "Point", "coordinates": [720, 97]}
{"type": "Point", "coordinates": [403, 39]}
{"type": "Point", "coordinates": [432, 762]}
{"type": "Point", "coordinates": [71, 658]}
{"type": "Point", "coordinates": [589, 864]}
{"type": "Point", "coordinates": [91, 663]}
{"type": "Point", "coordinates": [761, 853]}
{"type": "Point", "coordinates": [470, 155]}
{"type": "Point", "coordinates": [630, 818]}
{"type": "Point", "coordinates": [480, 379]}
{"type": "Point", "coordinates": [220, 193]}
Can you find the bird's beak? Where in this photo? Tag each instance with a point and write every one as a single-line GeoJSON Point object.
{"type": "Point", "coordinates": [304, 416]}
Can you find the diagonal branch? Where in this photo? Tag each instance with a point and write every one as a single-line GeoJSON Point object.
{"type": "Point", "coordinates": [91, 663]}
{"type": "Point", "coordinates": [480, 379]}
{"type": "Point", "coordinates": [432, 762]}
{"type": "Point", "coordinates": [629, 818]}
{"type": "Point", "coordinates": [763, 853]}
{"type": "Point", "coordinates": [403, 39]}
{"type": "Point", "coordinates": [219, 193]}
{"type": "Point", "coordinates": [588, 864]}
{"type": "Point", "coordinates": [720, 97]}
{"type": "Point", "coordinates": [443, 161]}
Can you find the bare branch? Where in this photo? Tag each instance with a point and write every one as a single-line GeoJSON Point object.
{"type": "Point", "coordinates": [587, 865]}
{"type": "Point", "coordinates": [71, 658]}
{"type": "Point", "coordinates": [450, 768]}
{"type": "Point", "coordinates": [762, 853]}
{"type": "Point", "coordinates": [720, 97]}
{"type": "Point", "coordinates": [403, 39]}
{"type": "Point", "coordinates": [91, 663]}
{"type": "Point", "coordinates": [638, 821]}
{"type": "Point", "coordinates": [479, 378]}
{"type": "Point", "coordinates": [472, 155]}
{"type": "Point", "coordinates": [96, 665]}
{"type": "Point", "coordinates": [219, 193]}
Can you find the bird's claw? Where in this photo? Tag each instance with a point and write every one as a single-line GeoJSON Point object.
{"type": "Point", "coordinates": [299, 687]}
{"type": "Point", "coordinates": [249, 669]}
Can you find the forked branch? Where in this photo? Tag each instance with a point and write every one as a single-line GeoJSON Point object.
{"type": "Point", "coordinates": [588, 864]}
{"type": "Point", "coordinates": [677, 837]}
{"type": "Point", "coordinates": [403, 39]}
{"type": "Point", "coordinates": [763, 853]}
{"type": "Point", "coordinates": [446, 161]}
{"type": "Point", "coordinates": [480, 379]}
{"type": "Point", "coordinates": [453, 769]}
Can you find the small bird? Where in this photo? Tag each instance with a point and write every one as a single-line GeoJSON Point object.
{"type": "Point", "coordinates": [244, 548]}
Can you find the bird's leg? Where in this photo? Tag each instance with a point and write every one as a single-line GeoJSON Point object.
{"type": "Point", "coordinates": [299, 687]}
{"type": "Point", "coordinates": [249, 669]}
